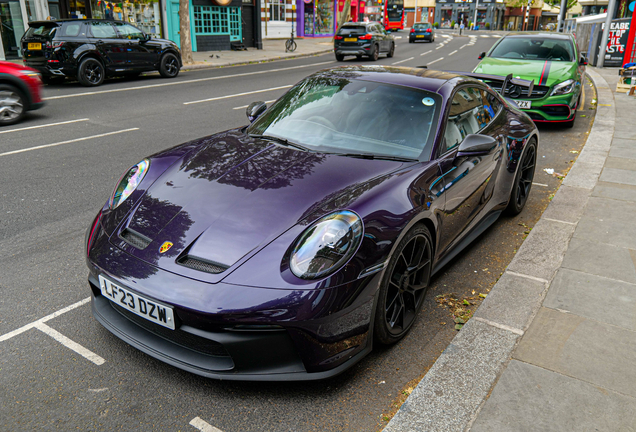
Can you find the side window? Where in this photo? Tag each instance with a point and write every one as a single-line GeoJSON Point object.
{"type": "Point", "coordinates": [100, 29]}
{"type": "Point", "coordinates": [71, 29]}
{"type": "Point", "coordinates": [463, 117]}
{"type": "Point", "coordinates": [126, 31]}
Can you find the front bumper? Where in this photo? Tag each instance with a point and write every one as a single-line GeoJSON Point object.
{"type": "Point", "coordinates": [554, 109]}
{"type": "Point", "coordinates": [254, 334]}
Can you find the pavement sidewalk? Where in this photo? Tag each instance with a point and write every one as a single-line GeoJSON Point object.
{"type": "Point", "coordinates": [553, 346]}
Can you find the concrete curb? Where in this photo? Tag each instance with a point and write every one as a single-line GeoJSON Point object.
{"type": "Point", "coordinates": [248, 62]}
{"type": "Point", "coordinates": [482, 349]}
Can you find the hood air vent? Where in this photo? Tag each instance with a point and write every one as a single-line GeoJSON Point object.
{"type": "Point", "coordinates": [135, 239]}
{"type": "Point", "coordinates": [201, 265]}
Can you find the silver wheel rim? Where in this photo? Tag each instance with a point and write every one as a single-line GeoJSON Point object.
{"type": "Point", "coordinates": [10, 105]}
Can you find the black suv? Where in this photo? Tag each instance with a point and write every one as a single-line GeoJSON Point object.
{"type": "Point", "coordinates": [363, 39]}
{"type": "Point", "coordinates": [90, 50]}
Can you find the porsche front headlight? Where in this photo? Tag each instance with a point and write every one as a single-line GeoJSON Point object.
{"type": "Point", "coordinates": [563, 88]}
{"type": "Point", "coordinates": [128, 183]}
{"type": "Point", "coordinates": [327, 245]}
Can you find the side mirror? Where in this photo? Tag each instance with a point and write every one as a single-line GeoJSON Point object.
{"type": "Point", "coordinates": [482, 55]}
{"type": "Point", "coordinates": [254, 110]}
{"type": "Point", "coordinates": [477, 145]}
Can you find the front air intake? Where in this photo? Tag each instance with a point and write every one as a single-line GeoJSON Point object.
{"type": "Point", "coordinates": [202, 265]}
{"type": "Point", "coordinates": [135, 239]}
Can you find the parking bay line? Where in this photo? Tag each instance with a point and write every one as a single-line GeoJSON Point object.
{"type": "Point", "coordinates": [434, 61]}
{"type": "Point", "coordinates": [429, 51]}
{"type": "Point", "coordinates": [39, 324]}
{"type": "Point", "coordinates": [402, 61]}
{"type": "Point", "coordinates": [236, 95]}
{"type": "Point", "coordinates": [203, 426]}
{"type": "Point", "coordinates": [187, 81]}
{"type": "Point", "coordinates": [67, 142]}
{"type": "Point", "coordinates": [43, 126]}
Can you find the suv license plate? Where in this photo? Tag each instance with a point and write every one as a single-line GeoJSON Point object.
{"type": "Point", "coordinates": [34, 46]}
{"type": "Point", "coordinates": [524, 104]}
{"type": "Point", "coordinates": [351, 39]}
{"type": "Point", "coordinates": [139, 305]}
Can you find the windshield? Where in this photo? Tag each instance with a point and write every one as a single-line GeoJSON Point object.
{"type": "Point", "coordinates": [343, 115]}
{"type": "Point", "coordinates": [422, 26]}
{"type": "Point", "coordinates": [345, 30]}
{"type": "Point", "coordinates": [44, 30]}
{"type": "Point", "coordinates": [394, 9]}
{"type": "Point", "coordinates": [534, 48]}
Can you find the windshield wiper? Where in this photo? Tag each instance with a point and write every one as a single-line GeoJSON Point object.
{"type": "Point", "coordinates": [379, 157]}
{"type": "Point", "coordinates": [279, 140]}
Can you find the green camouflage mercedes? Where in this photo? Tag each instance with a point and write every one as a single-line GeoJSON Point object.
{"type": "Point", "coordinates": [555, 64]}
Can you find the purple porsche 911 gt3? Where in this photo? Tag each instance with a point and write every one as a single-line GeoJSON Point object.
{"type": "Point", "coordinates": [286, 249]}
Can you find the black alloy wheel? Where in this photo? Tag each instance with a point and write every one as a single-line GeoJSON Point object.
{"type": "Point", "coordinates": [391, 51]}
{"type": "Point", "coordinates": [169, 67]}
{"type": "Point", "coordinates": [90, 72]}
{"type": "Point", "coordinates": [12, 105]}
{"type": "Point", "coordinates": [523, 180]}
{"type": "Point", "coordinates": [404, 286]}
{"type": "Point", "coordinates": [375, 54]}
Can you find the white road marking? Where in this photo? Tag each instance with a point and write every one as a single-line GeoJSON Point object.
{"type": "Point", "coordinates": [465, 45]}
{"type": "Point", "coordinates": [485, 36]}
{"type": "Point", "coordinates": [450, 54]}
{"type": "Point", "coordinates": [402, 61]}
{"type": "Point", "coordinates": [203, 426]}
{"type": "Point", "coordinates": [186, 81]}
{"type": "Point", "coordinates": [441, 46]}
{"type": "Point", "coordinates": [445, 36]}
{"type": "Point", "coordinates": [539, 184]}
{"type": "Point", "coordinates": [397, 37]}
{"type": "Point", "coordinates": [43, 126]}
{"type": "Point", "coordinates": [87, 354]}
{"type": "Point", "coordinates": [67, 142]}
{"type": "Point", "coordinates": [22, 329]}
{"type": "Point", "coordinates": [429, 51]}
{"type": "Point", "coordinates": [245, 106]}
{"type": "Point", "coordinates": [434, 61]}
{"type": "Point", "coordinates": [237, 94]}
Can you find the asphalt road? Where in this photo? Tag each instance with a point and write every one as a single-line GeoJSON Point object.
{"type": "Point", "coordinates": [57, 169]}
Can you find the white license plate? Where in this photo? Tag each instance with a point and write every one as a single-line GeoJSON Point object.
{"type": "Point", "coordinates": [524, 104]}
{"type": "Point", "coordinates": [142, 306]}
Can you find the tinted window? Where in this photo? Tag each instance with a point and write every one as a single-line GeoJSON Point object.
{"type": "Point", "coordinates": [100, 29]}
{"type": "Point", "coordinates": [126, 31]}
{"type": "Point", "coordinates": [71, 29]}
{"type": "Point", "coordinates": [352, 30]}
{"type": "Point", "coordinates": [421, 26]}
{"type": "Point", "coordinates": [471, 110]}
{"type": "Point", "coordinates": [534, 48]}
{"type": "Point", "coordinates": [343, 115]}
{"type": "Point", "coordinates": [41, 30]}
{"type": "Point", "coordinates": [394, 9]}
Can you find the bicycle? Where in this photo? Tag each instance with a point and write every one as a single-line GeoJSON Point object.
{"type": "Point", "coordinates": [290, 44]}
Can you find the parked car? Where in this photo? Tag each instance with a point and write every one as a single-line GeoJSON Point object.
{"type": "Point", "coordinates": [422, 32]}
{"type": "Point", "coordinates": [285, 249]}
{"type": "Point", "coordinates": [360, 39]}
{"type": "Point", "coordinates": [20, 91]}
{"type": "Point", "coordinates": [552, 61]}
{"type": "Point", "coordinates": [90, 50]}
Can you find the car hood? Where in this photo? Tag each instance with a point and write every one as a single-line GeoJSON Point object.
{"type": "Point", "coordinates": [557, 71]}
{"type": "Point", "coordinates": [235, 194]}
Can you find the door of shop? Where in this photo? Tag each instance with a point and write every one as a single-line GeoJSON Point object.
{"type": "Point", "coordinates": [11, 28]}
{"type": "Point", "coordinates": [247, 15]}
{"type": "Point", "coordinates": [173, 22]}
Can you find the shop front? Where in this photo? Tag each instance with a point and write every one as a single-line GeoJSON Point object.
{"type": "Point", "coordinates": [145, 15]}
{"type": "Point", "coordinates": [14, 18]}
{"type": "Point", "coordinates": [316, 18]}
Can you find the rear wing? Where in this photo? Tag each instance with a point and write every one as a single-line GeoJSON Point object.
{"type": "Point", "coordinates": [506, 86]}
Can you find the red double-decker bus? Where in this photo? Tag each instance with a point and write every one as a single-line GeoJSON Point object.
{"type": "Point", "coordinates": [393, 16]}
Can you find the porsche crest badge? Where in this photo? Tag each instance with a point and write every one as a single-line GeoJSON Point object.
{"type": "Point", "coordinates": [165, 247]}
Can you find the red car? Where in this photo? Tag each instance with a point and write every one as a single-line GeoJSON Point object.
{"type": "Point", "coordinates": [20, 91]}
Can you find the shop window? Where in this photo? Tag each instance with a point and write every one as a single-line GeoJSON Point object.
{"type": "Point", "coordinates": [215, 20]}
{"type": "Point", "coordinates": [277, 10]}
{"type": "Point", "coordinates": [144, 15]}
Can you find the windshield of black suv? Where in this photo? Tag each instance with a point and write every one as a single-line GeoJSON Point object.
{"type": "Point", "coordinates": [421, 26]}
{"type": "Point", "coordinates": [344, 115]}
{"type": "Point", "coordinates": [534, 48]}
{"type": "Point", "coordinates": [345, 30]}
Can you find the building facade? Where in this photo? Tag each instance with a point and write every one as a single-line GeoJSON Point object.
{"type": "Point", "coordinates": [419, 11]}
{"type": "Point", "coordinates": [14, 18]}
{"type": "Point", "coordinates": [490, 13]}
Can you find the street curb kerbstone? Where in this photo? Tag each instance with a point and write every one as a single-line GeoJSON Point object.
{"type": "Point", "coordinates": [451, 394]}
{"type": "Point", "coordinates": [249, 62]}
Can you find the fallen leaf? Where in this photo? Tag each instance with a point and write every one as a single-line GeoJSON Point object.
{"type": "Point", "coordinates": [459, 326]}
{"type": "Point", "coordinates": [482, 295]}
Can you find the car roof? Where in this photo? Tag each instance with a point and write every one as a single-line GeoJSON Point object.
{"type": "Point", "coordinates": [64, 20]}
{"type": "Point", "coordinates": [419, 78]}
{"type": "Point", "coordinates": [543, 35]}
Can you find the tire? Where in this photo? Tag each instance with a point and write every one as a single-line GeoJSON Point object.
{"type": "Point", "coordinates": [12, 105]}
{"type": "Point", "coordinates": [523, 180]}
{"type": "Point", "coordinates": [290, 45]}
{"type": "Point", "coordinates": [339, 57]}
{"type": "Point", "coordinates": [375, 54]}
{"type": "Point", "coordinates": [358, 57]}
{"type": "Point", "coordinates": [91, 72]}
{"type": "Point", "coordinates": [391, 51]}
{"type": "Point", "coordinates": [169, 66]}
{"type": "Point", "coordinates": [411, 41]}
{"type": "Point", "coordinates": [404, 286]}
